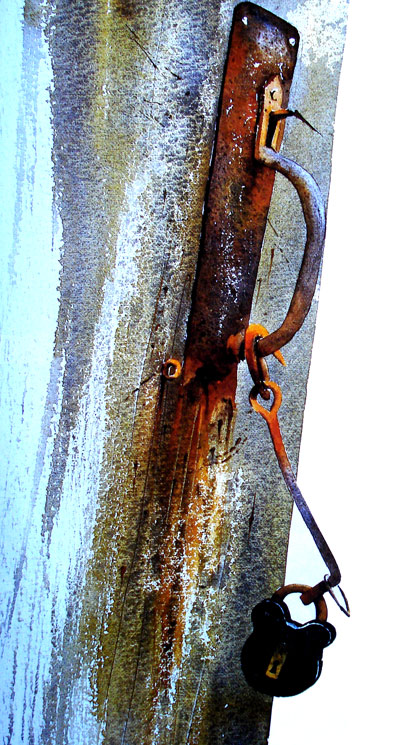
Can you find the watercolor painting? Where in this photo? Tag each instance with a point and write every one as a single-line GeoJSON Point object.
{"type": "Point", "coordinates": [157, 166]}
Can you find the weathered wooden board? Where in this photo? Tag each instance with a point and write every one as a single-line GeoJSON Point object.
{"type": "Point", "coordinates": [111, 134]}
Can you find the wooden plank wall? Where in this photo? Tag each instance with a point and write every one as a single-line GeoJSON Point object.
{"type": "Point", "coordinates": [110, 113]}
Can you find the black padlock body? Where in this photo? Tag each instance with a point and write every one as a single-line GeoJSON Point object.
{"type": "Point", "coordinates": [283, 657]}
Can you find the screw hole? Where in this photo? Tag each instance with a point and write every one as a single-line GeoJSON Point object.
{"type": "Point", "coordinates": [171, 369]}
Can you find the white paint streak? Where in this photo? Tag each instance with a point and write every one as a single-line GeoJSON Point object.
{"type": "Point", "coordinates": [81, 483]}
{"type": "Point", "coordinates": [36, 581]}
{"type": "Point", "coordinates": [29, 306]}
{"type": "Point", "coordinates": [320, 23]}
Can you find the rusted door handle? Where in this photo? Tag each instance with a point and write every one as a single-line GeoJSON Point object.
{"type": "Point", "coordinates": [314, 215]}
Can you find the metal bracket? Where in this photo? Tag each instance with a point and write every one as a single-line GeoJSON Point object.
{"type": "Point", "coordinates": [260, 64]}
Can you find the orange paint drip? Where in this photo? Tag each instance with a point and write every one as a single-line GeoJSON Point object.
{"type": "Point", "coordinates": [194, 512]}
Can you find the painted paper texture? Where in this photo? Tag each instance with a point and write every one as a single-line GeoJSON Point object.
{"type": "Point", "coordinates": [142, 516]}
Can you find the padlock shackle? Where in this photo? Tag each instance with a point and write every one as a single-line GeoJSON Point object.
{"type": "Point", "coordinates": [320, 604]}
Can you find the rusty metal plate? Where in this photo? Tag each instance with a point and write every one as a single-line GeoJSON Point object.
{"type": "Point", "coordinates": [262, 48]}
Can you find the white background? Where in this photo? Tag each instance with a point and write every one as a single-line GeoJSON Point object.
{"type": "Point", "coordinates": [350, 448]}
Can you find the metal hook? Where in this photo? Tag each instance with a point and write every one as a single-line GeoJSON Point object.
{"type": "Point", "coordinates": [271, 417]}
{"type": "Point", "coordinates": [344, 608]}
{"type": "Point", "coordinates": [257, 365]}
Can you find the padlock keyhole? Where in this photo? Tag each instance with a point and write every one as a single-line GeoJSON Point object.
{"type": "Point", "coordinates": [277, 661]}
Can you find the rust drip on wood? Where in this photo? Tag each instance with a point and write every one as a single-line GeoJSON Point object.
{"type": "Point", "coordinates": [193, 523]}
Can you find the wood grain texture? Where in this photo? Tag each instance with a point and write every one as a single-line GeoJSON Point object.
{"type": "Point", "coordinates": [113, 131]}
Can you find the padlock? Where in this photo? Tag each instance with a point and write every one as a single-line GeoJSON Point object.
{"type": "Point", "coordinates": [283, 657]}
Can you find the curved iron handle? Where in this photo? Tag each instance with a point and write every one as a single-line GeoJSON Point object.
{"type": "Point", "coordinates": [314, 215]}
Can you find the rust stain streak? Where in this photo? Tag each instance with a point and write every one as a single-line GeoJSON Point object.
{"type": "Point", "coordinates": [146, 53]}
{"type": "Point", "coordinates": [259, 283]}
{"type": "Point", "coordinates": [134, 679]}
{"type": "Point", "coordinates": [271, 225]}
{"type": "Point", "coordinates": [178, 453]}
{"type": "Point", "coordinates": [119, 622]}
{"type": "Point", "coordinates": [194, 707]}
{"type": "Point", "coordinates": [137, 389]}
{"type": "Point", "coordinates": [183, 543]}
{"type": "Point", "coordinates": [191, 464]}
{"type": "Point", "coordinates": [152, 118]}
{"type": "Point", "coordinates": [271, 261]}
{"type": "Point", "coordinates": [285, 258]}
{"type": "Point", "coordinates": [129, 571]}
{"type": "Point", "coordinates": [178, 317]}
{"type": "Point", "coordinates": [145, 355]}
{"type": "Point", "coordinates": [201, 676]}
{"type": "Point", "coordinates": [134, 553]}
{"type": "Point", "coordinates": [174, 74]}
{"type": "Point", "coordinates": [251, 518]}
{"type": "Point", "coordinates": [140, 45]}
{"type": "Point", "coordinates": [142, 382]}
